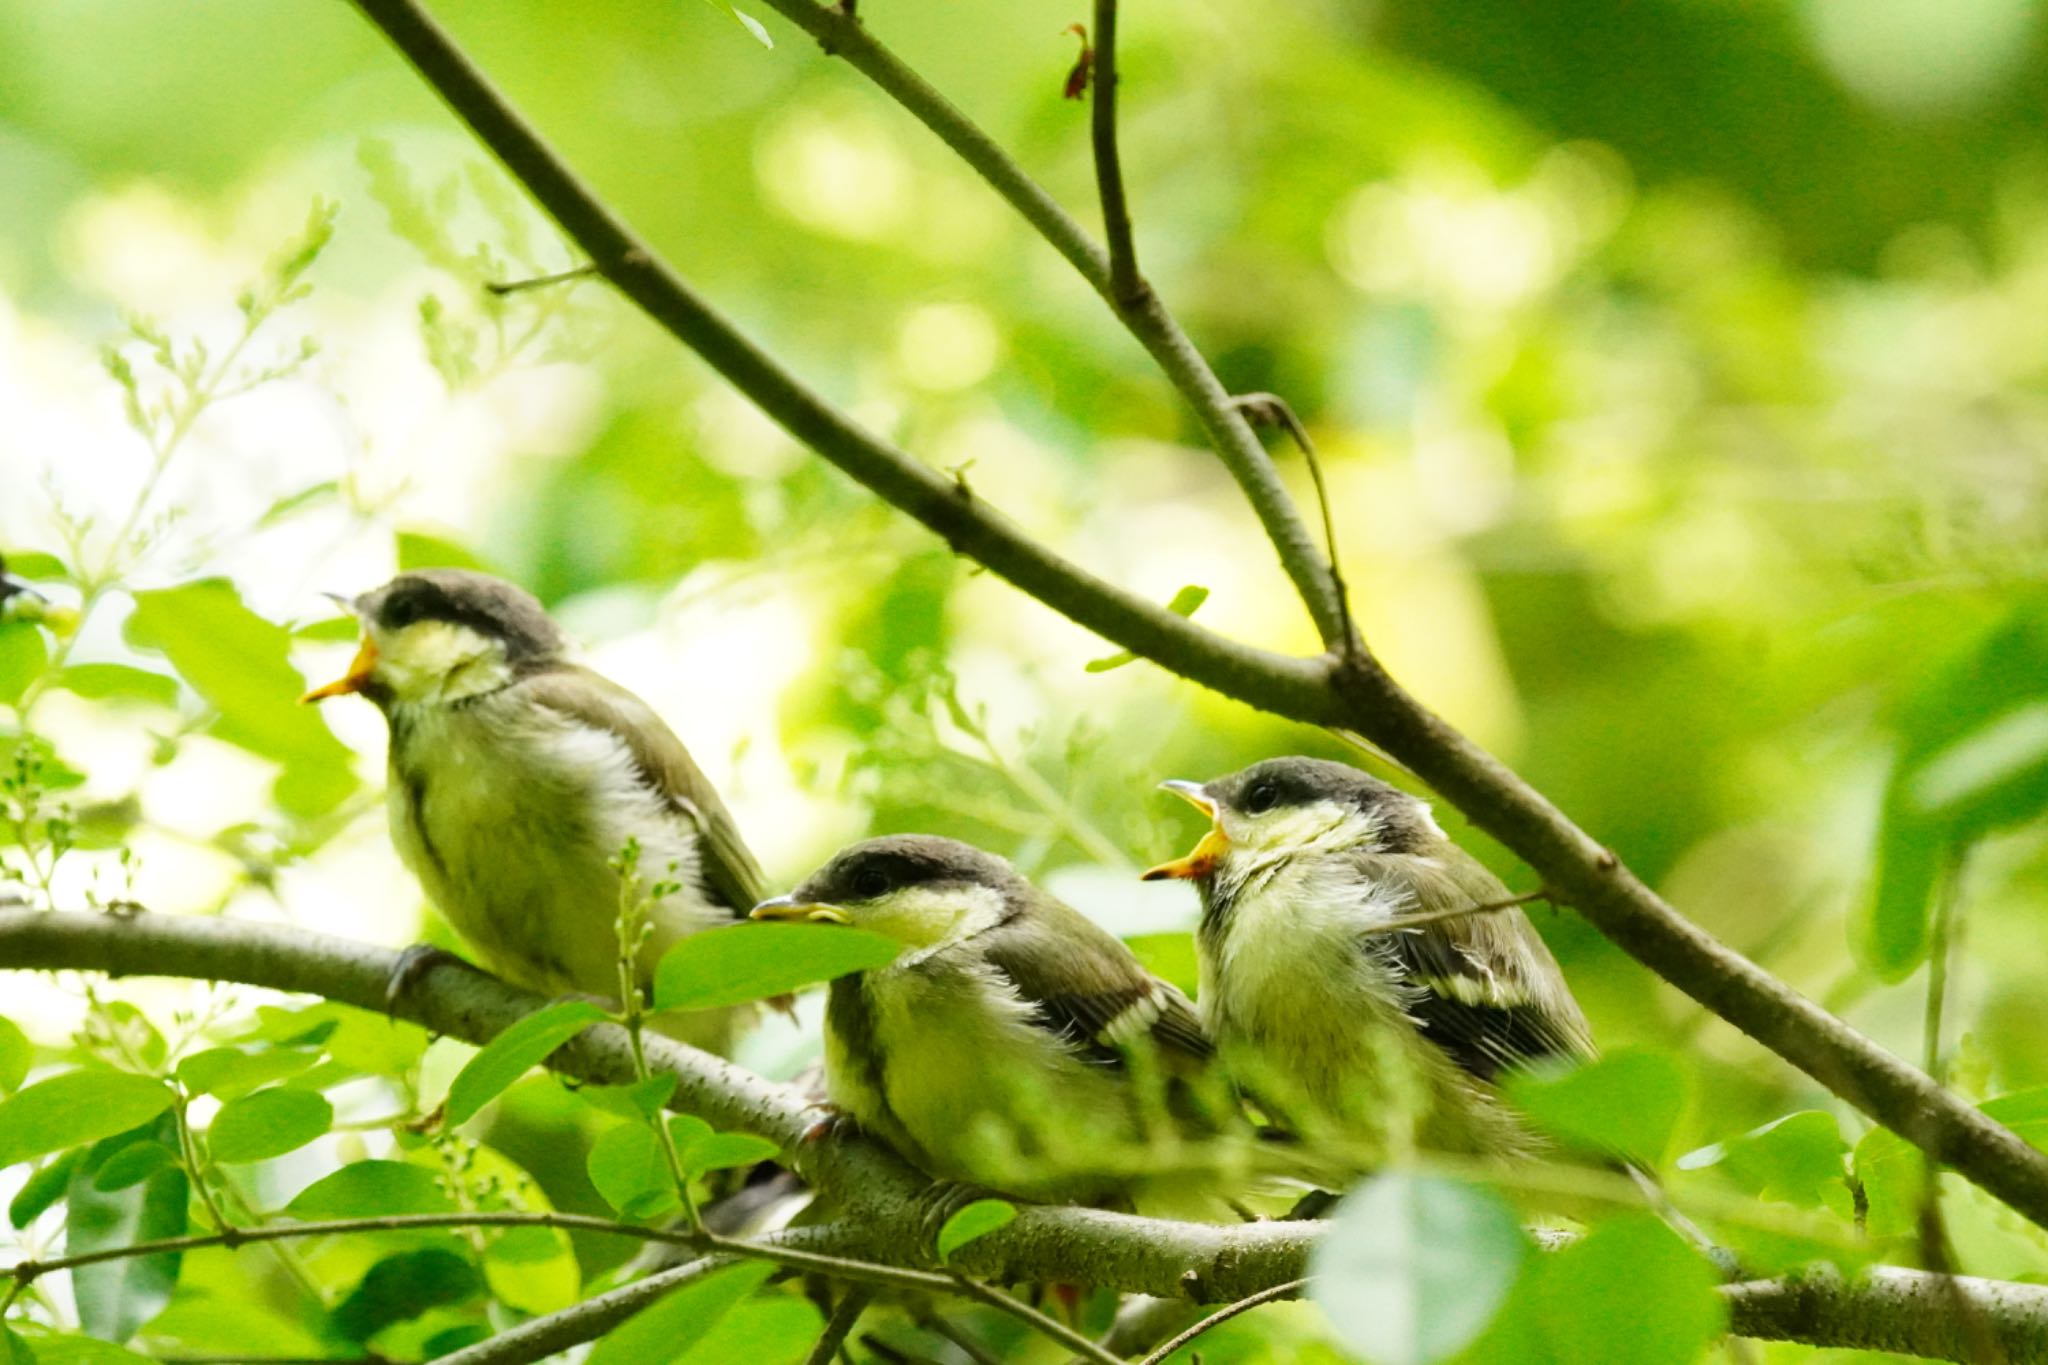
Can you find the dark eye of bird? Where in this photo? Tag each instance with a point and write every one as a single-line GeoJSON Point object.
{"type": "Point", "coordinates": [870, 882]}
{"type": "Point", "coordinates": [1261, 798]}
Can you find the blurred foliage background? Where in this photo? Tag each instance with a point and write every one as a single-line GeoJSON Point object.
{"type": "Point", "coordinates": [1679, 365]}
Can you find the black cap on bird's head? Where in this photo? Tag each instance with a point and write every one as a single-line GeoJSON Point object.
{"type": "Point", "coordinates": [424, 627]}
{"type": "Point", "coordinates": [1283, 803]}
{"type": "Point", "coordinates": [918, 888]}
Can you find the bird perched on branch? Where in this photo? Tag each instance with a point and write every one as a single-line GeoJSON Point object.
{"type": "Point", "coordinates": [1338, 1023]}
{"type": "Point", "coordinates": [518, 778]}
{"type": "Point", "coordinates": [1013, 1044]}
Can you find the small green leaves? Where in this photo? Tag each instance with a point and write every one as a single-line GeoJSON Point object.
{"type": "Point", "coordinates": [368, 1189]}
{"type": "Point", "coordinates": [678, 1322]}
{"type": "Point", "coordinates": [1414, 1267]}
{"type": "Point", "coordinates": [744, 962]}
{"type": "Point", "coordinates": [514, 1052]}
{"type": "Point", "coordinates": [230, 1072]}
{"type": "Point", "coordinates": [237, 661]}
{"type": "Point", "coordinates": [978, 1219]}
{"type": "Point", "coordinates": [628, 1168]}
{"type": "Point", "coordinates": [266, 1124]}
{"type": "Point", "coordinates": [702, 1151]}
{"type": "Point", "coordinates": [75, 1108]}
{"type": "Point", "coordinates": [1626, 1103]}
{"type": "Point", "coordinates": [106, 1208]}
{"type": "Point", "coordinates": [1794, 1160]}
{"type": "Point", "coordinates": [117, 682]}
{"type": "Point", "coordinates": [1184, 603]}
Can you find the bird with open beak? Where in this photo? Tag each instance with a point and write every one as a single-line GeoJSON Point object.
{"type": "Point", "coordinates": [1013, 1044]}
{"type": "Point", "coordinates": [1355, 1034]}
{"type": "Point", "coordinates": [518, 777]}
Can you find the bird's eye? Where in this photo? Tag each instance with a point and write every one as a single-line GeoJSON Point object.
{"type": "Point", "coordinates": [870, 883]}
{"type": "Point", "coordinates": [1261, 798]}
{"type": "Point", "coordinates": [401, 614]}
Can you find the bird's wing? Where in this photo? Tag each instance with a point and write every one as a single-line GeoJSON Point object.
{"type": "Point", "coordinates": [1483, 988]}
{"type": "Point", "coordinates": [729, 871]}
{"type": "Point", "coordinates": [1086, 986]}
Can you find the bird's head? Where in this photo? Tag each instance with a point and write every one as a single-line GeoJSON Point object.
{"type": "Point", "coordinates": [918, 889]}
{"type": "Point", "coordinates": [435, 636]}
{"type": "Point", "coordinates": [1290, 807]}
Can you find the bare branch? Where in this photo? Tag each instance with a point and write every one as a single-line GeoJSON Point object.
{"type": "Point", "coordinates": [1285, 1290]}
{"type": "Point", "coordinates": [845, 1314]}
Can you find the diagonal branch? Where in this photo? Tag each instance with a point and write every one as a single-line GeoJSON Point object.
{"type": "Point", "coordinates": [1349, 690]}
{"type": "Point", "coordinates": [1886, 1309]}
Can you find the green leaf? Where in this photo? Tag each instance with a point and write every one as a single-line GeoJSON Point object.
{"type": "Point", "coordinates": [1793, 1160]}
{"type": "Point", "coordinates": [1631, 1292]}
{"type": "Point", "coordinates": [16, 1053]}
{"type": "Point", "coordinates": [1414, 1267]}
{"type": "Point", "coordinates": [533, 1270]}
{"type": "Point", "coordinates": [373, 1044]}
{"type": "Point", "coordinates": [1184, 603]}
{"type": "Point", "coordinates": [239, 663]}
{"type": "Point", "coordinates": [52, 1348]}
{"type": "Point", "coordinates": [116, 1297]}
{"type": "Point", "coordinates": [231, 1073]}
{"type": "Point", "coordinates": [425, 550]}
{"type": "Point", "coordinates": [978, 1219]}
{"type": "Point", "coordinates": [742, 962]}
{"type": "Point", "coordinates": [372, 1189]}
{"type": "Point", "coordinates": [117, 682]}
{"type": "Point", "coordinates": [36, 566]}
{"type": "Point", "coordinates": [641, 1100]}
{"type": "Point", "coordinates": [510, 1055]}
{"type": "Point", "coordinates": [1889, 1167]}
{"type": "Point", "coordinates": [679, 1321]}
{"type": "Point", "coordinates": [627, 1166]}
{"type": "Point", "coordinates": [76, 1108]}
{"type": "Point", "coordinates": [13, 1350]}
{"type": "Point", "coordinates": [1626, 1103]}
{"type": "Point", "coordinates": [770, 1330]}
{"type": "Point", "coordinates": [23, 654]}
{"type": "Point", "coordinates": [727, 1151]}
{"type": "Point", "coordinates": [267, 1124]}
{"type": "Point", "coordinates": [335, 630]}
{"type": "Point", "coordinates": [44, 1188]}
{"type": "Point", "coordinates": [132, 1165]}
{"type": "Point", "coordinates": [402, 1287]}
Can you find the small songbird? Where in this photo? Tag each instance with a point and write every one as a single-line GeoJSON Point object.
{"type": "Point", "coordinates": [1013, 1044]}
{"type": "Point", "coordinates": [517, 778]}
{"type": "Point", "coordinates": [1339, 1025]}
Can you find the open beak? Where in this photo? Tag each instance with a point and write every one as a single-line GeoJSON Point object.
{"type": "Point", "coordinates": [799, 911]}
{"type": "Point", "coordinates": [360, 671]}
{"type": "Point", "coordinates": [1203, 857]}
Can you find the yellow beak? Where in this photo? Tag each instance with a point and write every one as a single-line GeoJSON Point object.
{"type": "Point", "coordinates": [360, 671]}
{"type": "Point", "coordinates": [1201, 860]}
{"type": "Point", "coordinates": [788, 908]}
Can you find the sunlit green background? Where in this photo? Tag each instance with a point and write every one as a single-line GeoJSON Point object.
{"type": "Point", "coordinates": [1678, 364]}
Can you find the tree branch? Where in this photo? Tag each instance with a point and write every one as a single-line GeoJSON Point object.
{"type": "Point", "coordinates": [1125, 284]}
{"type": "Point", "coordinates": [1349, 691]}
{"type": "Point", "coordinates": [882, 1222]}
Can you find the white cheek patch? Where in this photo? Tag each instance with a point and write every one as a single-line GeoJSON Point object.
{"type": "Point", "coordinates": [932, 917]}
{"type": "Point", "coordinates": [439, 661]}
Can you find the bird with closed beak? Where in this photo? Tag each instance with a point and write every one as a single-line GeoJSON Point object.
{"type": "Point", "coordinates": [1013, 1044]}
{"type": "Point", "coordinates": [517, 780]}
{"type": "Point", "coordinates": [1343, 1025]}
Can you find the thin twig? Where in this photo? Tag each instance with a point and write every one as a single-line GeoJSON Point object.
{"type": "Point", "coordinates": [959, 1336]}
{"type": "Point", "coordinates": [1272, 408]}
{"type": "Point", "coordinates": [845, 1314]}
{"type": "Point", "coordinates": [1424, 918]}
{"type": "Point", "coordinates": [1126, 286]}
{"type": "Point", "coordinates": [504, 287]}
{"type": "Point", "coordinates": [1024, 1312]}
{"type": "Point", "coordinates": [1223, 1315]}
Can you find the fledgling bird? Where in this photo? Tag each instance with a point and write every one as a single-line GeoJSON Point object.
{"type": "Point", "coordinates": [1013, 1044]}
{"type": "Point", "coordinates": [517, 777]}
{"type": "Point", "coordinates": [1337, 1027]}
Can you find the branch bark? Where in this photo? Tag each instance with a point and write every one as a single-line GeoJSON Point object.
{"type": "Point", "coordinates": [1347, 690]}
{"type": "Point", "coordinates": [1888, 1309]}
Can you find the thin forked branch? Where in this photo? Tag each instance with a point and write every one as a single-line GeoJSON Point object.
{"type": "Point", "coordinates": [1125, 283]}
